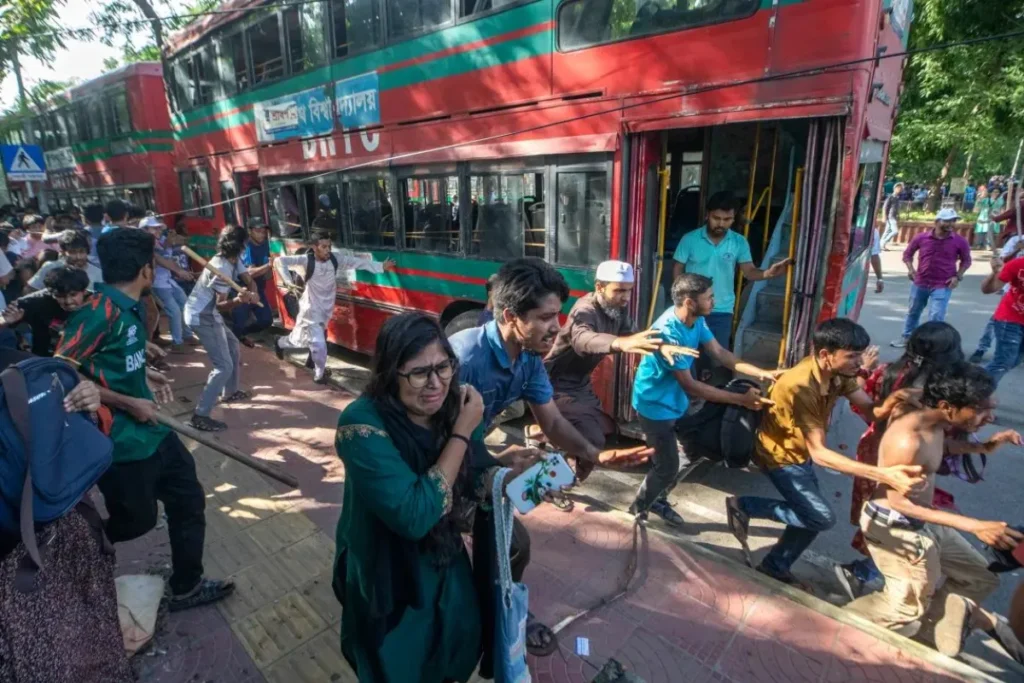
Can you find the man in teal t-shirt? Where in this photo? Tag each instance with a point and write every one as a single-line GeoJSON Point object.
{"type": "Point", "coordinates": [715, 250]}
{"type": "Point", "coordinates": [664, 384]}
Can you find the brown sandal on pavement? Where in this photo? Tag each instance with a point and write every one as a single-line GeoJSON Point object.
{"type": "Point", "coordinates": [739, 525]}
{"type": "Point", "coordinates": [534, 631]}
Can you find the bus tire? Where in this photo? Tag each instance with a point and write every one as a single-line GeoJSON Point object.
{"type": "Point", "coordinates": [463, 321]}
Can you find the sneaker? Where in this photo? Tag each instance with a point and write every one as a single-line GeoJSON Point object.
{"type": "Point", "coordinates": [323, 379]}
{"type": "Point", "coordinates": [278, 351]}
{"type": "Point", "coordinates": [898, 343]}
{"type": "Point", "coordinates": [180, 349]}
{"type": "Point", "coordinates": [952, 629]}
{"type": "Point", "coordinates": [852, 586]}
{"type": "Point", "coordinates": [977, 357]}
{"type": "Point", "coordinates": [206, 592]}
{"type": "Point", "coordinates": [739, 525]}
{"type": "Point", "coordinates": [786, 578]}
{"type": "Point", "coordinates": [663, 509]}
{"type": "Point", "coordinates": [207, 424]}
{"type": "Point", "coordinates": [240, 395]}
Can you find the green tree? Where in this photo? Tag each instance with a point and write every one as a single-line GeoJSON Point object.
{"type": "Point", "coordinates": [965, 102]}
{"type": "Point", "coordinates": [29, 28]}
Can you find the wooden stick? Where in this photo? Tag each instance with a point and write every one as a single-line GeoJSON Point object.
{"type": "Point", "coordinates": [206, 265]}
{"type": "Point", "coordinates": [266, 468]}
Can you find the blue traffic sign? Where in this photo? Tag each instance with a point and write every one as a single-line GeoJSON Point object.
{"type": "Point", "coordinates": [23, 162]}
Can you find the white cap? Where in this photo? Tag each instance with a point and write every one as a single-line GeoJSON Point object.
{"type": "Point", "coordinates": [152, 222]}
{"type": "Point", "coordinates": [614, 271]}
{"type": "Point", "coordinates": [947, 214]}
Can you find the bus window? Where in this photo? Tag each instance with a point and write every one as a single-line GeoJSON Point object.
{"type": "Point", "coordinates": [233, 73]}
{"type": "Point", "coordinates": [120, 116]}
{"type": "Point", "coordinates": [582, 23]}
{"type": "Point", "coordinates": [367, 212]}
{"type": "Point", "coordinates": [431, 217]}
{"type": "Point", "coordinates": [195, 192]}
{"type": "Point", "coordinates": [181, 84]}
{"type": "Point", "coordinates": [307, 36]}
{"type": "Point", "coordinates": [84, 129]}
{"type": "Point", "coordinates": [227, 194]}
{"type": "Point", "coordinates": [583, 214]}
{"type": "Point", "coordinates": [471, 7]}
{"type": "Point", "coordinates": [265, 48]}
{"type": "Point", "coordinates": [356, 25]}
{"type": "Point", "coordinates": [502, 213]}
{"type": "Point", "coordinates": [407, 17]}
{"type": "Point", "coordinates": [201, 75]}
{"type": "Point", "coordinates": [283, 205]}
{"type": "Point", "coordinates": [323, 206]}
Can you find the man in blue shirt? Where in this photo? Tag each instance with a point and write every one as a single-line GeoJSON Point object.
{"type": "Point", "coordinates": [256, 258]}
{"type": "Point", "coordinates": [664, 384]}
{"type": "Point", "coordinates": [504, 361]}
{"type": "Point", "coordinates": [715, 250]}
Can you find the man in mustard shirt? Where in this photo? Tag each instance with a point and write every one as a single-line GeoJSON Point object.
{"type": "Point", "coordinates": [791, 440]}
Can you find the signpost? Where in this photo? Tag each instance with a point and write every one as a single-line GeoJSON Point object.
{"type": "Point", "coordinates": [23, 162]}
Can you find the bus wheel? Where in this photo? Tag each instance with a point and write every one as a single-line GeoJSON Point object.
{"type": "Point", "coordinates": [463, 321]}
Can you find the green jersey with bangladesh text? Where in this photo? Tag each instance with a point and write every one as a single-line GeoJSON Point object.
{"type": "Point", "coordinates": [106, 339]}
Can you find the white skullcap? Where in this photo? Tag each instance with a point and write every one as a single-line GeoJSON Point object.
{"type": "Point", "coordinates": [614, 271]}
{"type": "Point", "coordinates": [947, 214]}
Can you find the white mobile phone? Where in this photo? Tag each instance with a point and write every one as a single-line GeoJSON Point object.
{"type": "Point", "coordinates": [527, 490]}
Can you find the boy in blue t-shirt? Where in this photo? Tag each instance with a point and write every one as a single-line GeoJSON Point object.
{"type": "Point", "coordinates": [664, 384]}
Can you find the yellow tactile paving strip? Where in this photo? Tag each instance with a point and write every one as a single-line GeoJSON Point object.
{"type": "Point", "coordinates": [283, 612]}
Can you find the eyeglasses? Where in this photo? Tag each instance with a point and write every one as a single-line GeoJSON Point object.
{"type": "Point", "coordinates": [418, 377]}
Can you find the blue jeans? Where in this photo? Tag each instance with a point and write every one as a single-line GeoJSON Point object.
{"type": "Point", "coordinates": [891, 230]}
{"type": "Point", "coordinates": [173, 299]}
{"type": "Point", "coordinates": [264, 317]}
{"type": "Point", "coordinates": [1008, 346]}
{"type": "Point", "coordinates": [222, 352]}
{"type": "Point", "coordinates": [985, 343]}
{"type": "Point", "coordinates": [803, 510]}
{"type": "Point", "coordinates": [936, 299]}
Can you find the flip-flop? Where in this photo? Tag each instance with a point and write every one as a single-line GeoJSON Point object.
{"type": "Point", "coordinates": [207, 424]}
{"type": "Point", "coordinates": [534, 629]}
{"type": "Point", "coordinates": [207, 592]}
{"type": "Point", "coordinates": [739, 525]}
{"type": "Point", "coordinates": [240, 395]}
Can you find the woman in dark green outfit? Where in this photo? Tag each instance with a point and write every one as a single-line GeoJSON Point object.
{"type": "Point", "coordinates": [415, 466]}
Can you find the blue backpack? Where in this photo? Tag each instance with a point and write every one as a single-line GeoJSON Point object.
{"type": "Point", "coordinates": [49, 458]}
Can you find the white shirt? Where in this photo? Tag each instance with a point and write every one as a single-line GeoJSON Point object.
{"type": "Point", "coordinates": [201, 307]}
{"type": "Point", "coordinates": [38, 280]}
{"type": "Point", "coordinates": [316, 306]}
{"type": "Point", "coordinates": [5, 269]}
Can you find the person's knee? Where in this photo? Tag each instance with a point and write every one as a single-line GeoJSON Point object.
{"type": "Point", "coordinates": [126, 526]}
{"type": "Point", "coordinates": [819, 518]}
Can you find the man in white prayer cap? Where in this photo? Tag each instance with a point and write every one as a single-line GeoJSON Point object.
{"type": "Point", "coordinates": [598, 325]}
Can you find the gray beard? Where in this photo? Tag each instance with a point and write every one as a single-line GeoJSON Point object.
{"type": "Point", "coordinates": [615, 314]}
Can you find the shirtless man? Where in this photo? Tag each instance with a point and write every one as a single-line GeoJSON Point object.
{"type": "Point", "coordinates": [915, 545]}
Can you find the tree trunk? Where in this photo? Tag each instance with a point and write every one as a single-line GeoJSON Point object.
{"type": "Point", "coordinates": [158, 38]}
{"type": "Point", "coordinates": [935, 199]}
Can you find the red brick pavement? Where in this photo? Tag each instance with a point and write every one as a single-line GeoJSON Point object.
{"type": "Point", "coordinates": [686, 617]}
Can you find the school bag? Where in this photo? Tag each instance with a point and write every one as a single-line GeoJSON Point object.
{"type": "Point", "coordinates": [721, 432]}
{"type": "Point", "coordinates": [311, 264]}
{"type": "Point", "coordinates": [49, 459]}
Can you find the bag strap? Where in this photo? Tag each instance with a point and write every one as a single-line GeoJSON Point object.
{"type": "Point", "coordinates": [502, 507]}
{"type": "Point", "coordinates": [16, 395]}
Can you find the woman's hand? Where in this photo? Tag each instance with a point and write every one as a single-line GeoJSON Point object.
{"type": "Point", "coordinates": [471, 411]}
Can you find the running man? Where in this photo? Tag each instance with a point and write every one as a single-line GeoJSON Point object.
{"type": "Point", "coordinates": [316, 304]}
{"type": "Point", "coordinates": [791, 440]}
{"type": "Point", "coordinates": [106, 341]}
{"type": "Point", "coordinates": [916, 546]}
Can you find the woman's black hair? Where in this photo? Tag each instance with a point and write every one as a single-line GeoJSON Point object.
{"type": "Point", "coordinates": [932, 346]}
{"type": "Point", "coordinates": [401, 338]}
{"type": "Point", "coordinates": [228, 246]}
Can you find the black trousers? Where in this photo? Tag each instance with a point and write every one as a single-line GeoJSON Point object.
{"type": "Point", "coordinates": [131, 490]}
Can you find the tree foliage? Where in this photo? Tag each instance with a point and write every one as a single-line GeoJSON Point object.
{"type": "Point", "coordinates": [163, 17]}
{"type": "Point", "coordinates": [29, 28]}
{"type": "Point", "coordinates": [965, 102]}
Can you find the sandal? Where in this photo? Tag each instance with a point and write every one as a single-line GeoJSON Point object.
{"type": "Point", "coordinates": [240, 395]}
{"type": "Point", "coordinates": [247, 343]}
{"type": "Point", "coordinates": [739, 525]}
{"type": "Point", "coordinates": [207, 424]}
{"type": "Point", "coordinates": [206, 592]}
{"type": "Point", "coordinates": [534, 632]}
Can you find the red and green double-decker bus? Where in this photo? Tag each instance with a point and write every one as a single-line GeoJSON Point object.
{"type": "Point", "coordinates": [107, 138]}
{"type": "Point", "coordinates": [454, 135]}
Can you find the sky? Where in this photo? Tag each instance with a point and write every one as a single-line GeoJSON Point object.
{"type": "Point", "coordinates": [82, 60]}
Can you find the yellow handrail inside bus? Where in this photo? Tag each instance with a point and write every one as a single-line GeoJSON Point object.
{"type": "Point", "coordinates": [663, 174]}
{"type": "Point", "coordinates": [794, 223]}
{"type": "Point", "coordinates": [771, 188]}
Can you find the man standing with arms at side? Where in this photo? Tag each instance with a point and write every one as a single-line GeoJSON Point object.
{"type": "Point", "coordinates": [716, 251]}
{"type": "Point", "coordinates": [106, 341]}
{"type": "Point", "coordinates": [891, 215]}
{"type": "Point", "coordinates": [942, 259]}
{"type": "Point", "coordinates": [791, 440]}
{"type": "Point", "coordinates": [598, 325]}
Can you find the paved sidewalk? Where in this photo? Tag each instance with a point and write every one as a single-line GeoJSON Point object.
{"type": "Point", "coordinates": [688, 615]}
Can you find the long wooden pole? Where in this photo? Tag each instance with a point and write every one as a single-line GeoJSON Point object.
{"type": "Point", "coordinates": [224, 278]}
{"type": "Point", "coordinates": [787, 299]}
{"type": "Point", "coordinates": [191, 432]}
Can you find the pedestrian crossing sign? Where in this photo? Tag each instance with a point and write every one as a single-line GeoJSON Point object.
{"type": "Point", "coordinates": [23, 162]}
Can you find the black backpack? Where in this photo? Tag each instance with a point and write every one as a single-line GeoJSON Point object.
{"type": "Point", "coordinates": [291, 302]}
{"type": "Point", "coordinates": [721, 432]}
